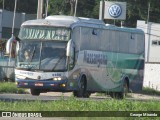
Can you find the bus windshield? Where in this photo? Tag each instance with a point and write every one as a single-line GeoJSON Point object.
{"type": "Point", "coordinates": [44, 33]}
{"type": "Point", "coordinates": [42, 55]}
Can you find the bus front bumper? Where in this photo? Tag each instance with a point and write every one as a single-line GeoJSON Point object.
{"type": "Point", "coordinates": [42, 84]}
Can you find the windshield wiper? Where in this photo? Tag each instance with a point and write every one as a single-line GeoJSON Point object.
{"type": "Point", "coordinates": [58, 61]}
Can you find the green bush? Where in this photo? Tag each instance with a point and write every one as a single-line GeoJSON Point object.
{"type": "Point", "coordinates": [10, 87]}
{"type": "Point", "coordinates": [150, 91]}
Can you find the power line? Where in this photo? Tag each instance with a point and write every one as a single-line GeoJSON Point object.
{"type": "Point", "coordinates": [148, 33]}
{"type": "Point", "coordinates": [152, 35]}
{"type": "Point", "coordinates": [145, 27]}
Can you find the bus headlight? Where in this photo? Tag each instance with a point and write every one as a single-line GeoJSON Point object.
{"type": "Point", "coordinates": [57, 78]}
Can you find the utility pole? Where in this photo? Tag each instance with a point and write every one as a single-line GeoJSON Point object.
{"type": "Point", "coordinates": [40, 9]}
{"type": "Point", "coordinates": [14, 16]}
{"type": "Point", "coordinates": [101, 16]}
{"type": "Point", "coordinates": [10, 41]}
{"type": "Point", "coordinates": [3, 4]}
{"type": "Point", "coordinates": [148, 34]}
{"type": "Point", "coordinates": [75, 10]}
{"type": "Point", "coordinates": [103, 6]}
{"type": "Point", "coordinates": [47, 7]}
{"type": "Point", "coordinates": [72, 3]}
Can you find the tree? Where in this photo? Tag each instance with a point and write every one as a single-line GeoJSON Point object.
{"type": "Point", "coordinates": [136, 9]}
{"type": "Point", "coordinates": [27, 6]}
{"type": "Point", "coordinates": [85, 8]}
{"type": "Point", "coordinates": [72, 3]}
{"type": "Point", "coordinates": [57, 7]}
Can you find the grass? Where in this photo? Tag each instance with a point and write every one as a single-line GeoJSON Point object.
{"type": "Point", "coordinates": [105, 106]}
{"type": "Point", "coordinates": [10, 87]}
{"type": "Point", "coordinates": [74, 104]}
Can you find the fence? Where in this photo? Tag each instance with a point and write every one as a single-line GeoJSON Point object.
{"type": "Point", "coordinates": [7, 69]}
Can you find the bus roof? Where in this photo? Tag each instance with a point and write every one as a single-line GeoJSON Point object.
{"type": "Point", "coordinates": [70, 21]}
{"type": "Point", "coordinates": [124, 29]}
{"type": "Point", "coordinates": [63, 21]}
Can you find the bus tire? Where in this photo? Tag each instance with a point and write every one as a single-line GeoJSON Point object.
{"type": "Point", "coordinates": [82, 92]}
{"type": "Point", "coordinates": [114, 94]}
{"type": "Point", "coordinates": [75, 93]}
{"type": "Point", "coordinates": [87, 94]}
{"type": "Point", "coordinates": [35, 92]}
{"type": "Point", "coordinates": [125, 90]}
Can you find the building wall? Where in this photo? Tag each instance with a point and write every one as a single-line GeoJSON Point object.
{"type": "Point", "coordinates": [152, 40]}
{"type": "Point", "coordinates": [6, 22]}
{"type": "Point", "coordinates": [151, 76]}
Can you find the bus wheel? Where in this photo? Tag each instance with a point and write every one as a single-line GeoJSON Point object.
{"type": "Point", "coordinates": [35, 92]}
{"type": "Point", "coordinates": [114, 94]}
{"type": "Point", "coordinates": [85, 95]}
{"type": "Point", "coordinates": [123, 94]}
{"type": "Point", "coordinates": [82, 89]}
{"type": "Point", "coordinates": [75, 93]}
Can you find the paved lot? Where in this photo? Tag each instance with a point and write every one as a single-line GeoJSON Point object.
{"type": "Point", "coordinates": [50, 96]}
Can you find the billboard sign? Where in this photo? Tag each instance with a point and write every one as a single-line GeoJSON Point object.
{"type": "Point", "coordinates": [114, 10]}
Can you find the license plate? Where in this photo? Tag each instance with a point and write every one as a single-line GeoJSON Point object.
{"type": "Point", "coordinates": [38, 84]}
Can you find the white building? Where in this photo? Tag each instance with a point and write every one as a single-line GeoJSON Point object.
{"type": "Point", "coordinates": [152, 54]}
{"type": "Point", "coordinates": [6, 21]}
{"type": "Point", "coordinates": [152, 40]}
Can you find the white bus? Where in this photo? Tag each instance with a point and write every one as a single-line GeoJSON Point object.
{"type": "Point", "coordinates": [82, 55]}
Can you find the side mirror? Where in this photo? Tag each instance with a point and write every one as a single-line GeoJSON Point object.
{"type": "Point", "coordinates": [70, 49]}
{"type": "Point", "coordinates": [70, 53]}
{"type": "Point", "coordinates": [12, 46]}
{"type": "Point", "coordinates": [9, 45]}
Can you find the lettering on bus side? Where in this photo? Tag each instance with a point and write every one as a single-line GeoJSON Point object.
{"type": "Point", "coordinates": [26, 73]}
{"type": "Point", "coordinates": [95, 58]}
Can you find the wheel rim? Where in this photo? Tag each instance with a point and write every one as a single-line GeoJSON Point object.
{"type": "Point", "coordinates": [82, 86]}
